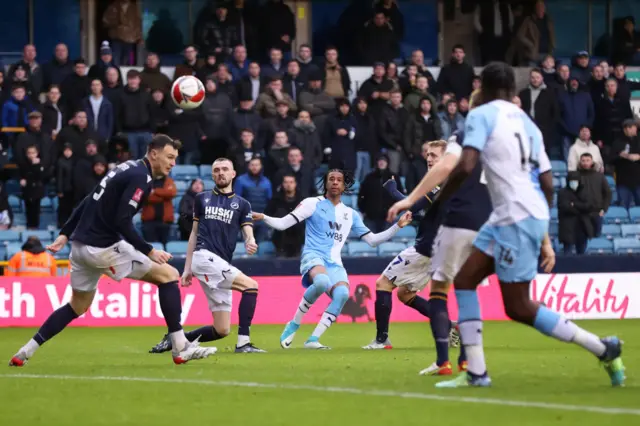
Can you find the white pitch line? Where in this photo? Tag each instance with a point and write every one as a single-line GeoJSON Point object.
{"type": "Point", "coordinates": [332, 389]}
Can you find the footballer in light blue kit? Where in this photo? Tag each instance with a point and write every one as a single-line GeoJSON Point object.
{"type": "Point", "coordinates": [518, 175]}
{"type": "Point", "coordinates": [329, 222]}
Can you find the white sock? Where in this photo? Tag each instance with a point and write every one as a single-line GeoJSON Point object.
{"type": "Point", "coordinates": [589, 341]}
{"type": "Point", "coordinates": [30, 348]}
{"type": "Point", "coordinates": [243, 340]}
{"type": "Point", "coordinates": [303, 308]}
{"type": "Point", "coordinates": [325, 322]}
{"type": "Point", "coordinates": [471, 336]}
{"type": "Point", "coordinates": [178, 341]}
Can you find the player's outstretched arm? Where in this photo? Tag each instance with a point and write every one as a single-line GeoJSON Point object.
{"type": "Point", "coordinates": [187, 274]}
{"type": "Point", "coordinates": [434, 177]}
{"type": "Point", "coordinates": [374, 239]}
{"type": "Point", "coordinates": [304, 210]}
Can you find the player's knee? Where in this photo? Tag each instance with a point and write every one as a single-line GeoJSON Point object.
{"type": "Point", "coordinates": [518, 312]}
{"type": "Point", "coordinates": [251, 284]}
{"type": "Point", "coordinates": [322, 282]}
{"type": "Point", "coordinates": [439, 287]}
{"type": "Point", "coordinates": [222, 331]}
{"type": "Point", "coordinates": [405, 295]}
{"type": "Point", "coordinates": [383, 284]}
{"type": "Point", "coordinates": [340, 294]}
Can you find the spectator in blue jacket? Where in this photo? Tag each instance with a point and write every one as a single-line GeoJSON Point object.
{"type": "Point", "coordinates": [451, 119]}
{"type": "Point", "coordinates": [99, 111]}
{"type": "Point", "coordinates": [576, 110]}
{"type": "Point", "coordinates": [254, 187]}
{"type": "Point", "coordinates": [16, 109]}
{"type": "Point", "coordinates": [238, 64]}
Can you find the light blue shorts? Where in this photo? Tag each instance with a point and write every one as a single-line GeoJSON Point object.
{"type": "Point", "coordinates": [336, 272]}
{"type": "Point", "coordinates": [515, 248]}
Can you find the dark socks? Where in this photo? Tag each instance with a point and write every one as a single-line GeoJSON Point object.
{"type": "Point", "coordinates": [206, 334]}
{"type": "Point", "coordinates": [246, 310]}
{"type": "Point", "coordinates": [171, 305]}
{"type": "Point", "coordinates": [56, 322]}
{"type": "Point", "coordinates": [421, 305]}
{"type": "Point", "coordinates": [440, 325]}
{"type": "Point", "coordinates": [383, 314]}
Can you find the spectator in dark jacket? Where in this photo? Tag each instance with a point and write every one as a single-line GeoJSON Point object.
{"type": "Point", "coordinates": [185, 220]}
{"type": "Point", "coordinates": [575, 226]}
{"type": "Point", "coordinates": [376, 90]}
{"type": "Point", "coordinates": [377, 42]}
{"type": "Point", "coordinates": [283, 121]}
{"type": "Point", "coordinates": [251, 85]}
{"type": "Point", "coordinates": [186, 126]}
{"type": "Point", "coordinates": [313, 99]}
{"type": "Point", "coordinates": [611, 111]}
{"type": "Point", "coordinates": [209, 67]}
{"type": "Point", "coordinates": [59, 68]}
{"type": "Point", "coordinates": [134, 118]}
{"type": "Point", "coordinates": [113, 87]}
{"type": "Point", "coordinates": [626, 158]}
{"type": "Point", "coordinates": [191, 64]}
{"type": "Point", "coordinates": [21, 77]}
{"type": "Point", "coordinates": [244, 151]}
{"type": "Point", "coordinates": [278, 26]}
{"type": "Point", "coordinates": [581, 69]}
{"type": "Point", "coordinates": [341, 133]}
{"type": "Point", "coordinates": [625, 86]}
{"type": "Point", "coordinates": [295, 166]}
{"type": "Point", "coordinates": [77, 134]}
{"type": "Point", "coordinates": [159, 111]}
{"type": "Point", "coordinates": [64, 184]}
{"type": "Point", "coordinates": [277, 153]}
{"type": "Point", "coordinates": [32, 181]}
{"type": "Point", "coordinates": [457, 76]}
{"type": "Point", "coordinates": [54, 114]}
{"type": "Point", "coordinates": [99, 70]}
{"type": "Point", "coordinates": [596, 190]}
{"type": "Point", "coordinates": [238, 64]}
{"type": "Point", "coordinates": [152, 77]}
{"type": "Point", "coordinates": [576, 110]}
{"type": "Point", "coordinates": [373, 200]}
{"type": "Point", "coordinates": [246, 118]}
{"type": "Point", "coordinates": [288, 242]}
{"type": "Point", "coordinates": [266, 105]}
{"type": "Point", "coordinates": [394, 16]}
{"type": "Point", "coordinates": [416, 93]}
{"type": "Point", "coordinates": [254, 187]}
{"type": "Point", "coordinates": [6, 213]}
{"type": "Point", "coordinates": [305, 60]}
{"type": "Point", "coordinates": [450, 119]}
{"type": "Point", "coordinates": [32, 68]}
{"type": "Point", "coordinates": [275, 67]}
{"type": "Point", "coordinates": [293, 82]}
{"type": "Point", "coordinates": [100, 112]}
{"type": "Point", "coordinates": [217, 123]}
{"type": "Point", "coordinates": [306, 136]}
{"type": "Point", "coordinates": [75, 88]}
{"type": "Point", "coordinates": [335, 77]}
{"type": "Point", "coordinates": [391, 127]}
{"type": "Point", "coordinates": [34, 136]}
{"type": "Point", "coordinates": [366, 139]}
{"type": "Point", "coordinates": [417, 168]}
{"type": "Point", "coordinates": [417, 59]}
{"type": "Point", "coordinates": [218, 34]}
{"type": "Point", "coordinates": [539, 102]}
{"type": "Point", "coordinates": [421, 126]}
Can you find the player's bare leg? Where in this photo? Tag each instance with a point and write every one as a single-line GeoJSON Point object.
{"type": "Point", "coordinates": [57, 321]}
{"type": "Point", "coordinates": [339, 295]}
{"type": "Point", "coordinates": [476, 268]}
{"type": "Point", "coordinates": [166, 278]}
{"type": "Point", "coordinates": [520, 308]}
{"type": "Point", "coordinates": [383, 304]}
{"type": "Point", "coordinates": [320, 283]}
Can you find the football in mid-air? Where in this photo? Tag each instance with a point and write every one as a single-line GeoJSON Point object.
{"type": "Point", "coordinates": [187, 92]}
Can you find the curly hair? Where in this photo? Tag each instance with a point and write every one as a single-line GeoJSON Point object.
{"type": "Point", "coordinates": [349, 180]}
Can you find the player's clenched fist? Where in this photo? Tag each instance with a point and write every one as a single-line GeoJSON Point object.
{"type": "Point", "coordinates": [58, 244]}
{"type": "Point", "coordinates": [405, 219]}
{"type": "Point", "coordinates": [251, 247]}
{"type": "Point", "coordinates": [257, 216]}
{"type": "Point", "coordinates": [160, 256]}
{"type": "Point", "coordinates": [187, 276]}
{"type": "Point", "coordinates": [397, 208]}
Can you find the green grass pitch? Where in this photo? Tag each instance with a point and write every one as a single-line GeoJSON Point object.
{"type": "Point", "coordinates": [104, 376]}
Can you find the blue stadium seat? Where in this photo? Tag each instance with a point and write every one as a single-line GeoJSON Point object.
{"type": "Point", "coordinates": [185, 172]}
{"type": "Point", "coordinates": [559, 182]}
{"type": "Point", "coordinates": [611, 231]}
{"type": "Point", "coordinates": [345, 249]}
{"type": "Point", "coordinates": [240, 251]}
{"type": "Point", "coordinates": [360, 248]}
{"type": "Point", "coordinates": [208, 184]}
{"type": "Point", "coordinates": [626, 245]}
{"type": "Point", "coordinates": [64, 253]}
{"type": "Point", "coordinates": [553, 212]}
{"type": "Point", "coordinates": [177, 248]}
{"type": "Point", "coordinates": [349, 200]}
{"type": "Point", "coordinates": [205, 171]}
{"type": "Point", "coordinates": [176, 203]}
{"type": "Point", "coordinates": [19, 219]}
{"type": "Point", "coordinates": [48, 220]}
{"type": "Point", "coordinates": [12, 187]}
{"type": "Point", "coordinates": [391, 248]}
{"type": "Point", "coordinates": [9, 236]}
{"type": "Point", "coordinates": [158, 245]}
{"type": "Point", "coordinates": [403, 181]}
{"type": "Point", "coordinates": [13, 248]}
{"type": "Point", "coordinates": [406, 234]}
{"type": "Point", "coordinates": [16, 203]}
{"type": "Point", "coordinates": [611, 181]}
{"type": "Point", "coordinates": [600, 246]}
{"type": "Point", "coordinates": [634, 214]}
{"type": "Point", "coordinates": [559, 168]}
{"type": "Point", "coordinates": [266, 248]}
{"type": "Point", "coordinates": [630, 230]}
{"type": "Point", "coordinates": [555, 199]}
{"type": "Point", "coordinates": [43, 235]}
{"type": "Point", "coordinates": [614, 197]}
{"type": "Point", "coordinates": [553, 229]}
{"type": "Point", "coordinates": [355, 188]}
{"type": "Point", "coordinates": [46, 205]}
{"type": "Point", "coordinates": [3, 252]}
{"type": "Point", "coordinates": [137, 219]}
{"type": "Point", "coordinates": [181, 187]}
{"type": "Point", "coordinates": [616, 214]}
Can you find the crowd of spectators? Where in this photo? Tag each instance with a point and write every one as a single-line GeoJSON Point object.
{"type": "Point", "coordinates": [281, 119]}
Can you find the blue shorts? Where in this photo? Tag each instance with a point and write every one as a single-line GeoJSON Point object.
{"type": "Point", "coordinates": [515, 248]}
{"type": "Point", "coordinates": [336, 272]}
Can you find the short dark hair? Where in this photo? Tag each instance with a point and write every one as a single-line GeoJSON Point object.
{"type": "Point", "coordinates": [275, 48]}
{"type": "Point", "coordinates": [457, 46]}
{"type": "Point", "coordinates": [330, 47]}
{"type": "Point", "coordinates": [291, 175]}
{"type": "Point", "coordinates": [291, 60]}
{"type": "Point", "coordinates": [304, 45]}
{"type": "Point", "coordinates": [537, 70]}
{"type": "Point", "coordinates": [34, 147]}
{"type": "Point", "coordinates": [587, 154]}
{"type": "Point", "coordinates": [248, 130]}
{"type": "Point", "coordinates": [294, 148]}
{"type": "Point", "coordinates": [160, 140]}
{"type": "Point", "coordinates": [498, 82]}
{"type": "Point", "coordinates": [79, 61]}
{"type": "Point", "coordinates": [255, 157]}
